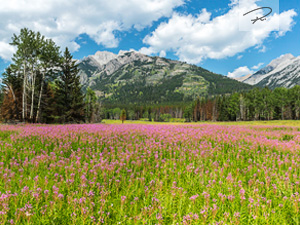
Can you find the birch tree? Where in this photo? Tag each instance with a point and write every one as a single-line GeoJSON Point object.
{"type": "Point", "coordinates": [36, 58]}
{"type": "Point", "coordinates": [21, 59]}
{"type": "Point", "coordinates": [49, 61]}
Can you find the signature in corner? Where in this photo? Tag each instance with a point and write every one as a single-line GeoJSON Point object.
{"type": "Point", "coordinates": [261, 18]}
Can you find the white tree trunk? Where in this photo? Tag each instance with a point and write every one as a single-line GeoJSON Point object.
{"type": "Point", "coordinates": [24, 94]}
{"type": "Point", "coordinates": [40, 99]}
{"type": "Point", "coordinates": [32, 94]}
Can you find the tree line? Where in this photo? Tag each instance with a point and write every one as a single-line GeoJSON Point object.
{"type": "Point", "coordinates": [41, 85]}
{"type": "Point", "coordinates": [256, 104]}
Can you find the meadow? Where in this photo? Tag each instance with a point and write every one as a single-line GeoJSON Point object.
{"type": "Point", "coordinates": [214, 173]}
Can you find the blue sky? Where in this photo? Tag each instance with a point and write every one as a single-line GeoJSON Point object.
{"type": "Point", "coordinates": [205, 33]}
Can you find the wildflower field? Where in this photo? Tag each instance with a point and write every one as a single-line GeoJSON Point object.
{"type": "Point", "coordinates": [149, 174]}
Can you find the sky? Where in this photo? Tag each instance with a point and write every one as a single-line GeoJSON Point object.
{"type": "Point", "coordinates": [213, 34]}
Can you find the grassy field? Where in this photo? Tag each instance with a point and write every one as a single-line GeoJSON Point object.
{"type": "Point", "coordinates": [270, 122]}
{"type": "Point", "coordinates": [150, 173]}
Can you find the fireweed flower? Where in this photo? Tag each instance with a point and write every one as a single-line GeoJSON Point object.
{"type": "Point", "coordinates": [60, 196]}
{"type": "Point", "coordinates": [194, 197]}
{"type": "Point", "coordinates": [123, 198]}
{"type": "Point", "coordinates": [94, 164]}
{"type": "Point", "coordinates": [159, 216]}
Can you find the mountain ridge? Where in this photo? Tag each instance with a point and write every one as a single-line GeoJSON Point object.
{"type": "Point", "coordinates": [136, 78]}
{"type": "Point", "coordinates": [283, 71]}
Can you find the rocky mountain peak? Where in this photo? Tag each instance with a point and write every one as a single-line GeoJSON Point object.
{"type": "Point", "coordinates": [103, 57]}
{"type": "Point", "coordinates": [123, 58]}
{"type": "Point", "coordinates": [281, 72]}
{"type": "Point", "coordinates": [282, 59]}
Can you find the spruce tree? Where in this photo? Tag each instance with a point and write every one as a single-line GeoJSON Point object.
{"type": "Point", "coordinates": [70, 100]}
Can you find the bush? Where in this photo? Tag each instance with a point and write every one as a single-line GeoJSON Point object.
{"type": "Point", "coordinates": [177, 120]}
{"type": "Point", "coordinates": [165, 117]}
{"type": "Point", "coordinates": [144, 119]}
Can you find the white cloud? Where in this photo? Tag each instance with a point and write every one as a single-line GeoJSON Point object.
{"type": "Point", "coordinates": [239, 57]}
{"type": "Point", "coordinates": [239, 72]}
{"type": "Point", "coordinates": [64, 20]}
{"type": "Point", "coordinates": [162, 54]}
{"type": "Point", "coordinates": [257, 66]}
{"type": "Point", "coordinates": [195, 38]}
{"type": "Point", "coordinates": [147, 51]}
{"type": "Point", "coordinates": [263, 49]}
{"type": "Point", "coordinates": [6, 50]}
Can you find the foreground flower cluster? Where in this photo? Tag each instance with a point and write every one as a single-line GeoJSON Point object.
{"type": "Point", "coordinates": [149, 174]}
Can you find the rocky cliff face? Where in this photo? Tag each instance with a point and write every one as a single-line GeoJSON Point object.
{"type": "Point", "coordinates": [287, 77]}
{"type": "Point", "coordinates": [103, 57]}
{"type": "Point", "coordinates": [106, 63]}
{"type": "Point", "coordinates": [123, 58]}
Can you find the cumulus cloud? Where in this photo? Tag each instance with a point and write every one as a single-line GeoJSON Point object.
{"type": "Point", "coordinates": [162, 54]}
{"type": "Point", "coordinates": [195, 38]}
{"type": "Point", "coordinates": [6, 50]}
{"type": "Point", "coordinates": [257, 66]}
{"type": "Point", "coordinates": [64, 20]}
{"type": "Point", "coordinates": [263, 49]}
{"type": "Point", "coordinates": [239, 72]}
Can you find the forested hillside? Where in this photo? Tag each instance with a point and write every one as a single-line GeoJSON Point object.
{"type": "Point", "coordinates": [134, 78]}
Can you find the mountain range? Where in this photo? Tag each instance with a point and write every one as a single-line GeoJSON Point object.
{"type": "Point", "coordinates": [135, 78]}
{"type": "Point", "coordinates": [281, 72]}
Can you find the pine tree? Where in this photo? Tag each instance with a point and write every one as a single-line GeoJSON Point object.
{"type": "Point", "coordinates": [70, 100]}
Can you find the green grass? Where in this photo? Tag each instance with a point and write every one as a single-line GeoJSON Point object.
{"type": "Point", "coordinates": [242, 123]}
